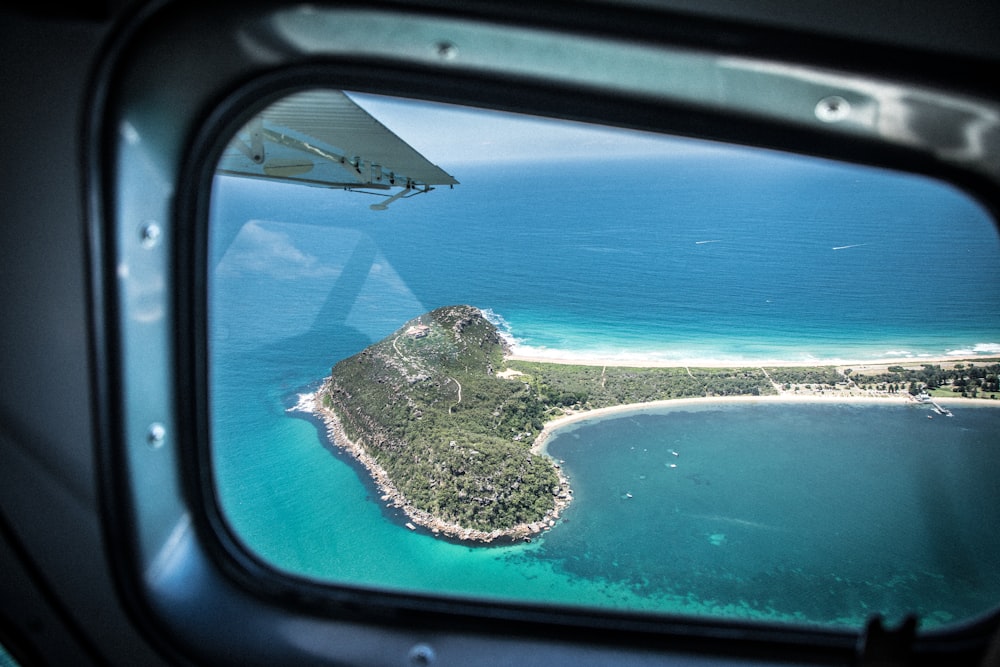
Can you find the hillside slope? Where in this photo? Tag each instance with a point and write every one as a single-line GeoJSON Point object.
{"type": "Point", "coordinates": [444, 437]}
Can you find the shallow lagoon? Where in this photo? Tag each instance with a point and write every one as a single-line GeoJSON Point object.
{"type": "Point", "coordinates": [823, 513]}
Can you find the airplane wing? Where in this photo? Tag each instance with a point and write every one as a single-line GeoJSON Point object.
{"type": "Point", "coordinates": [323, 138]}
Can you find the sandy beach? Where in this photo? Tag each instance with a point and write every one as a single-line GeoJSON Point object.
{"type": "Point", "coordinates": [794, 396]}
{"type": "Point", "coordinates": [829, 397]}
{"type": "Point", "coordinates": [870, 365]}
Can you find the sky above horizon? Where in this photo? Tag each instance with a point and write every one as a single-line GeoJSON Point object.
{"type": "Point", "coordinates": [449, 135]}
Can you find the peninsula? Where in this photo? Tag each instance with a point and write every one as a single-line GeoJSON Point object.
{"type": "Point", "coordinates": [446, 438]}
{"type": "Point", "coordinates": [452, 428]}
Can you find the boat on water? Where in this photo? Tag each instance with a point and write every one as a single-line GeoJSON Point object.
{"type": "Point", "coordinates": [941, 410]}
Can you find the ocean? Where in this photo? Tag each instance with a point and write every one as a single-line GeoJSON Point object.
{"type": "Point", "coordinates": [804, 514]}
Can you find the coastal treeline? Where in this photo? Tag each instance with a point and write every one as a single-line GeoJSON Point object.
{"type": "Point", "coordinates": [591, 387]}
{"type": "Point", "coordinates": [803, 375]}
{"type": "Point", "coordinates": [969, 380]}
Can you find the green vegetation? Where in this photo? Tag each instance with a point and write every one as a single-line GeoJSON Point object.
{"type": "Point", "coordinates": [964, 379]}
{"type": "Point", "coordinates": [454, 439]}
{"type": "Point", "coordinates": [590, 387]}
{"type": "Point", "coordinates": [811, 375]}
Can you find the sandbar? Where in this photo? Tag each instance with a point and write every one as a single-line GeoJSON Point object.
{"type": "Point", "coordinates": [946, 362]}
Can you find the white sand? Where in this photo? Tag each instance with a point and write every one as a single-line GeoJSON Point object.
{"type": "Point", "coordinates": [870, 365]}
{"type": "Point", "coordinates": [901, 398]}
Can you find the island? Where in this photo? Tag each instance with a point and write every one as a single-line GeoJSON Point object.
{"type": "Point", "coordinates": [451, 426]}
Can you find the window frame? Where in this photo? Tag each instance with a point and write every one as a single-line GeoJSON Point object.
{"type": "Point", "coordinates": [154, 137]}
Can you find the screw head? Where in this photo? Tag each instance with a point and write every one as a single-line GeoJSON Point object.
{"type": "Point", "coordinates": [156, 434]}
{"type": "Point", "coordinates": [833, 109]}
{"type": "Point", "coordinates": [446, 50]}
{"type": "Point", "coordinates": [150, 234]}
{"type": "Point", "coordinates": [421, 655]}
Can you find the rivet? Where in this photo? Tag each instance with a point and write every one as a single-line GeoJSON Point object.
{"type": "Point", "coordinates": [156, 434]}
{"type": "Point", "coordinates": [421, 655]}
{"type": "Point", "coordinates": [446, 50]}
{"type": "Point", "coordinates": [833, 109]}
{"type": "Point", "coordinates": [150, 234]}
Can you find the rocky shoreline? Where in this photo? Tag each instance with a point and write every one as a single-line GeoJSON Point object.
{"type": "Point", "coordinates": [393, 497]}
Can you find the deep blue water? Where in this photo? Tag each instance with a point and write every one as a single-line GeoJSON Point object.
{"type": "Point", "coordinates": [685, 258]}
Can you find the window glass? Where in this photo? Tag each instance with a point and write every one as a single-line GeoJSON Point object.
{"type": "Point", "coordinates": [481, 355]}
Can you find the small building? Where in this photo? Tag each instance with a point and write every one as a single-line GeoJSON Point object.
{"type": "Point", "coordinates": [418, 331]}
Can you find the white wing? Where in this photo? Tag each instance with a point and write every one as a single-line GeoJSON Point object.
{"type": "Point", "coordinates": [323, 138]}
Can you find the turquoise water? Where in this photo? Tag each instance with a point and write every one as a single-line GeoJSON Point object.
{"type": "Point", "coordinates": [815, 514]}
{"type": "Point", "coordinates": [823, 513]}
{"type": "Point", "coordinates": [804, 513]}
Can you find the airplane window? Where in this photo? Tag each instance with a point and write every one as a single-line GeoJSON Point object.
{"type": "Point", "coordinates": [490, 356]}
